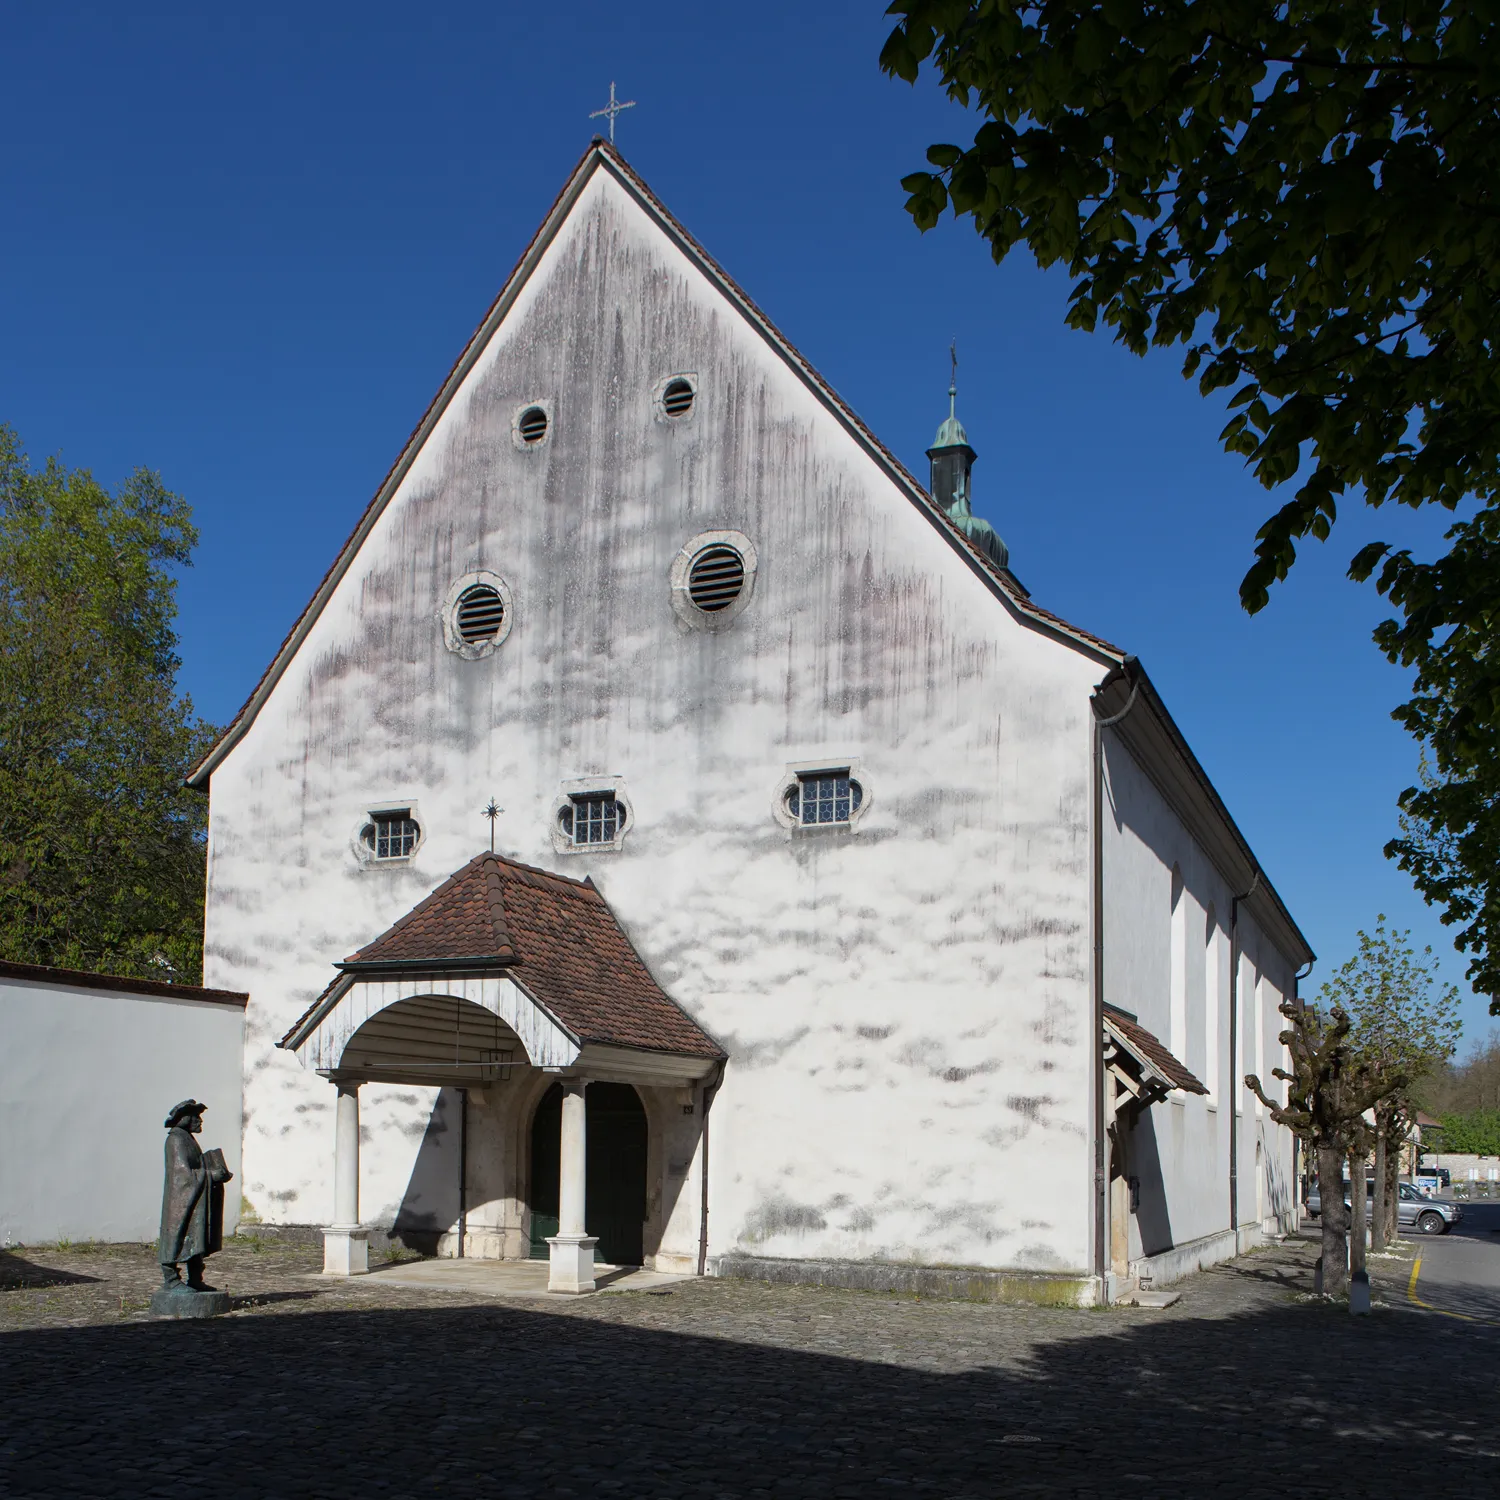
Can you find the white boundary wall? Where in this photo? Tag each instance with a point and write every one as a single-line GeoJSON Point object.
{"type": "Point", "coordinates": [89, 1067]}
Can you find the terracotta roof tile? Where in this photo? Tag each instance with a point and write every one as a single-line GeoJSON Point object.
{"type": "Point", "coordinates": [1154, 1052]}
{"type": "Point", "coordinates": [560, 940]}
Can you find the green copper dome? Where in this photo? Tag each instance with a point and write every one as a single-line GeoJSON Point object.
{"type": "Point", "coordinates": [951, 433]}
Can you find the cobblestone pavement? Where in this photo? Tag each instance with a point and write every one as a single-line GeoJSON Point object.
{"type": "Point", "coordinates": [1245, 1388]}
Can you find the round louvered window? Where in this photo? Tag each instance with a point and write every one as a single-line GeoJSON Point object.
{"type": "Point", "coordinates": [532, 424]}
{"type": "Point", "coordinates": [479, 615]}
{"type": "Point", "coordinates": [713, 578]}
{"type": "Point", "coordinates": [677, 399]}
{"type": "Point", "coordinates": [716, 579]}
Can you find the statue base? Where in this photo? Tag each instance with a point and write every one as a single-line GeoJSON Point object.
{"type": "Point", "coordinates": [183, 1302]}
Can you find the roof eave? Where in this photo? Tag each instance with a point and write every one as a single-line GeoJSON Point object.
{"type": "Point", "coordinates": [1156, 743]}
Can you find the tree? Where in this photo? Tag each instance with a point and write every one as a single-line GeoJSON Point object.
{"type": "Point", "coordinates": [1476, 1133]}
{"type": "Point", "coordinates": [1328, 1090]}
{"type": "Point", "coordinates": [1307, 198]}
{"type": "Point", "coordinates": [101, 844]}
{"type": "Point", "coordinates": [1405, 1025]}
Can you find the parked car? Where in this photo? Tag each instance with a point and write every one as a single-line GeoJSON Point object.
{"type": "Point", "coordinates": [1413, 1211]}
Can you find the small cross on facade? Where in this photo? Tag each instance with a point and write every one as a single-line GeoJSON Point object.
{"type": "Point", "coordinates": [612, 109]}
{"type": "Point", "coordinates": [492, 811]}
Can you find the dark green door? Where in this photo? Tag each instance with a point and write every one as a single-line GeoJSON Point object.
{"type": "Point", "coordinates": [616, 1179]}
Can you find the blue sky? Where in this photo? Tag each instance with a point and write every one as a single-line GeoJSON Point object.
{"type": "Point", "coordinates": [244, 249]}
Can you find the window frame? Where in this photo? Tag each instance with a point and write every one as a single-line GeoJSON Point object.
{"type": "Point", "coordinates": [800, 772]}
{"type": "Point", "coordinates": [368, 852]}
{"type": "Point", "coordinates": [598, 789]}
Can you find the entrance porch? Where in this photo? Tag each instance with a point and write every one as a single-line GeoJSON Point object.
{"type": "Point", "coordinates": [516, 993]}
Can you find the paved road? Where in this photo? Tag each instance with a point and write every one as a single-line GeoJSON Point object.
{"type": "Point", "coordinates": [1247, 1388]}
{"type": "Point", "coordinates": [1458, 1273]}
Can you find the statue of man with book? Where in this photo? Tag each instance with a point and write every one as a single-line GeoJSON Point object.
{"type": "Point", "coordinates": [192, 1218]}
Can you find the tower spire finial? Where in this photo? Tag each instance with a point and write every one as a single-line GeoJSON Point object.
{"type": "Point", "coordinates": [953, 382]}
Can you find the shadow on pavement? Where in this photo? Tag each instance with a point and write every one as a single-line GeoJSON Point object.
{"type": "Point", "coordinates": [17, 1272]}
{"type": "Point", "coordinates": [519, 1402]}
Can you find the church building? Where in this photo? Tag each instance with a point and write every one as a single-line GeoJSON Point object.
{"type": "Point", "coordinates": [840, 914]}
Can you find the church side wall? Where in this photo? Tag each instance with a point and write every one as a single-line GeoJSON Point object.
{"type": "Point", "coordinates": [905, 1003]}
{"type": "Point", "coordinates": [1179, 1151]}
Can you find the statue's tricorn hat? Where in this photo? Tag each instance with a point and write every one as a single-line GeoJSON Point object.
{"type": "Point", "coordinates": [183, 1111]}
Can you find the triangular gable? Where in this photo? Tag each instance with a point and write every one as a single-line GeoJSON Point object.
{"type": "Point", "coordinates": [601, 156]}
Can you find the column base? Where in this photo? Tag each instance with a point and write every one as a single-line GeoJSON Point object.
{"type": "Point", "coordinates": [346, 1250]}
{"type": "Point", "coordinates": [571, 1262]}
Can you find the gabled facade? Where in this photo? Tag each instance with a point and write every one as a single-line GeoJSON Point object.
{"type": "Point", "coordinates": [887, 835]}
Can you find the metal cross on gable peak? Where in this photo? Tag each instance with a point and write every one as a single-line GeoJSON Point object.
{"type": "Point", "coordinates": [612, 109]}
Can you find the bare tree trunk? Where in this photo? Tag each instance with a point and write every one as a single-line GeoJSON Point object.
{"type": "Point", "coordinates": [1357, 1206]}
{"type": "Point", "coordinates": [1333, 1219]}
{"type": "Point", "coordinates": [1392, 1189]}
{"type": "Point", "coordinates": [1377, 1207]}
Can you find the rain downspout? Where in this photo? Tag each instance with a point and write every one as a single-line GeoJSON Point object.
{"type": "Point", "coordinates": [1235, 1086]}
{"type": "Point", "coordinates": [1101, 1169]}
{"type": "Point", "coordinates": [463, 1170]}
{"type": "Point", "coordinates": [708, 1098]}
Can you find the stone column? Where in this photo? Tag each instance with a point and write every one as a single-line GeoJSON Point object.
{"type": "Point", "coordinates": [346, 1250]}
{"type": "Point", "coordinates": [572, 1250]}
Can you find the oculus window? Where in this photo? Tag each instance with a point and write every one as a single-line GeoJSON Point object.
{"type": "Point", "coordinates": [591, 818]}
{"type": "Point", "coordinates": [818, 798]}
{"type": "Point", "coordinates": [390, 835]}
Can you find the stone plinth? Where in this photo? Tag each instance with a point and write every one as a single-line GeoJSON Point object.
{"type": "Point", "coordinates": [184, 1302]}
{"type": "Point", "coordinates": [346, 1250]}
{"type": "Point", "coordinates": [572, 1262]}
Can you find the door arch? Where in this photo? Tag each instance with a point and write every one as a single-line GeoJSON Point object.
{"type": "Point", "coordinates": [615, 1185]}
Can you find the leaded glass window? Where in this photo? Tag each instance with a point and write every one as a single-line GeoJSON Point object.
{"type": "Point", "coordinates": [391, 835]}
{"type": "Point", "coordinates": [824, 797]}
{"type": "Point", "coordinates": [593, 818]}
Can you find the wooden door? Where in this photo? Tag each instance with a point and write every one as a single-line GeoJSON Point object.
{"type": "Point", "coordinates": [615, 1187]}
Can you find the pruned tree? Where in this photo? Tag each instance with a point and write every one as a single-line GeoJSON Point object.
{"type": "Point", "coordinates": [1405, 1024]}
{"type": "Point", "coordinates": [1329, 1088]}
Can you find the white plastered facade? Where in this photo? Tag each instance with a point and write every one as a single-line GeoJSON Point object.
{"type": "Point", "coordinates": [906, 1005]}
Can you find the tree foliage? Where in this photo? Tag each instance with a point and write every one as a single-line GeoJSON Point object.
{"type": "Point", "coordinates": [101, 845]}
{"type": "Point", "coordinates": [1405, 1026]}
{"type": "Point", "coordinates": [1306, 197]}
{"type": "Point", "coordinates": [1405, 1021]}
{"type": "Point", "coordinates": [1476, 1133]}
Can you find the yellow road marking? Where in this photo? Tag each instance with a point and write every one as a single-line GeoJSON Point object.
{"type": "Point", "coordinates": [1411, 1296]}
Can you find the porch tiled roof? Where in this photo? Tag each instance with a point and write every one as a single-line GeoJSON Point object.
{"type": "Point", "coordinates": [464, 918]}
{"type": "Point", "coordinates": [1153, 1051]}
{"type": "Point", "coordinates": [557, 937]}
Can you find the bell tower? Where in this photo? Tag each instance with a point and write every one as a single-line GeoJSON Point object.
{"type": "Point", "coordinates": [952, 461]}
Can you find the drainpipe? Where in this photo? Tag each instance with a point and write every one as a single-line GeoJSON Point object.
{"type": "Point", "coordinates": [1235, 1086]}
{"type": "Point", "coordinates": [1299, 1166]}
{"type": "Point", "coordinates": [709, 1090]}
{"type": "Point", "coordinates": [463, 1170]}
{"type": "Point", "coordinates": [1096, 1054]}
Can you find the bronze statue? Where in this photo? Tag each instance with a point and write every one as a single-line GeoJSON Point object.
{"type": "Point", "coordinates": [192, 1217]}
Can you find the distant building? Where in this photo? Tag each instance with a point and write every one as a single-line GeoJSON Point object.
{"type": "Point", "coordinates": [854, 917]}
